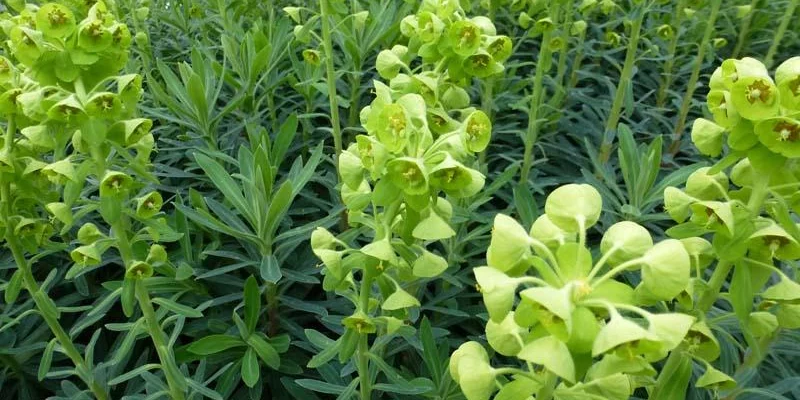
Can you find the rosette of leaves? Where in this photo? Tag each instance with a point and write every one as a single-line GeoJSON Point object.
{"type": "Point", "coordinates": [76, 153]}
{"type": "Point", "coordinates": [559, 312]}
{"type": "Point", "coordinates": [740, 214]}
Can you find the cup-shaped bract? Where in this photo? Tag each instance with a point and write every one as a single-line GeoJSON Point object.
{"type": "Point", "coordinates": [393, 127]}
{"type": "Point", "coordinates": [499, 47]}
{"type": "Point", "coordinates": [94, 36]}
{"type": "Point", "coordinates": [115, 183]}
{"type": "Point", "coordinates": [498, 291]}
{"type": "Point", "coordinates": [429, 27]}
{"type": "Point", "coordinates": [574, 207]}
{"type": "Point", "coordinates": [781, 135]}
{"type": "Point", "coordinates": [702, 342]}
{"type": "Point", "coordinates": [707, 136]}
{"type": "Point", "coordinates": [756, 98]}
{"type": "Point", "coordinates": [464, 37]}
{"type": "Point", "coordinates": [89, 233]}
{"type": "Point", "coordinates": [510, 245]}
{"type": "Point", "coordinates": [703, 186]}
{"type": "Point", "coordinates": [399, 300]}
{"type": "Point", "coordinates": [482, 64]}
{"type": "Point", "coordinates": [409, 174]}
{"type": "Point", "coordinates": [775, 241]}
{"type": "Point", "coordinates": [625, 241]}
{"type": "Point", "coordinates": [721, 106]}
{"type": "Point", "coordinates": [548, 233]}
{"type": "Point", "coordinates": [734, 70]}
{"type": "Point", "coordinates": [455, 179]}
{"type": "Point", "coordinates": [786, 290]}
{"type": "Point", "coordinates": [149, 205]}
{"type": "Point", "coordinates": [715, 379]}
{"type": "Point", "coordinates": [388, 64]}
{"type": "Point", "coordinates": [666, 268]}
{"type": "Point", "coordinates": [139, 270]}
{"type": "Point", "coordinates": [55, 20]}
{"type": "Point", "coordinates": [477, 131]}
{"type": "Point", "coordinates": [87, 255]}
{"type": "Point", "coordinates": [787, 77]}
{"type": "Point", "coordinates": [714, 215]}
{"type": "Point", "coordinates": [505, 336]}
{"type": "Point", "coordinates": [351, 169]}
{"type": "Point", "coordinates": [469, 367]}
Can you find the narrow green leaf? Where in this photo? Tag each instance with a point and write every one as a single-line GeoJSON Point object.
{"type": "Point", "coordinates": [252, 303]}
{"type": "Point", "coordinates": [250, 370]}
{"type": "Point", "coordinates": [269, 269]}
{"type": "Point", "coordinates": [214, 344]}
{"type": "Point", "coordinates": [265, 351]}
{"type": "Point", "coordinates": [179, 309]}
{"type": "Point", "coordinates": [47, 359]}
{"type": "Point", "coordinates": [223, 181]}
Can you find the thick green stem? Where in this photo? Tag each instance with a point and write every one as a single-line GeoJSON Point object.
{"type": "Point", "coordinates": [160, 340]}
{"type": "Point", "coordinates": [563, 55]}
{"type": "Point", "coordinates": [175, 379]}
{"type": "Point", "coordinates": [776, 41]}
{"type": "Point", "coordinates": [327, 45]}
{"type": "Point", "coordinates": [543, 65]}
{"type": "Point", "coordinates": [669, 63]}
{"type": "Point", "coordinates": [576, 67]}
{"type": "Point", "coordinates": [44, 304]}
{"type": "Point", "coordinates": [744, 29]}
{"type": "Point", "coordinates": [622, 87]}
{"type": "Point", "coordinates": [680, 126]}
{"type": "Point", "coordinates": [365, 378]}
{"type": "Point", "coordinates": [711, 293]}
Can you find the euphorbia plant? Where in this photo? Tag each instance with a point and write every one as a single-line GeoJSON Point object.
{"type": "Point", "coordinates": [746, 203]}
{"type": "Point", "coordinates": [421, 136]}
{"type": "Point", "coordinates": [74, 149]}
{"type": "Point", "coordinates": [574, 329]}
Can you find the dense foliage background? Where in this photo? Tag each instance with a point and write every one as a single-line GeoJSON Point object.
{"type": "Point", "coordinates": [232, 81]}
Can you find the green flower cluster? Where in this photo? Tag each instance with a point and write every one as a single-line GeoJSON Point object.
{"type": "Point", "coordinates": [581, 333]}
{"type": "Point", "coordinates": [748, 211]}
{"type": "Point", "coordinates": [441, 34]}
{"type": "Point", "coordinates": [56, 47]}
{"type": "Point", "coordinates": [421, 138]}
{"type": "Point", "coordinates": [760, 116]}
{"type": "Point", "coordinates": [67, 132]}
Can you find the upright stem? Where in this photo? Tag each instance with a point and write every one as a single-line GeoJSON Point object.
{"type": "Point", "coordinates": [542, 65]}
{"type": "Point", "coordinates": [160, 341]}
{"type": "Point", "coordinates": [622, 87]}
{"type": "Point", "coordinates": [175, 379]}
{"type": "Point", "coordinates": [744, 29]}
{"type": "Point", "coordinates": [576, 65]}
{"type": "Point", "coordinates": [669, 63]}
{"type": "Point", "coordinates": [680, 126]}
{"type": "Point", "coordinates": [327, 45]}
{"type": "Point", "coordinates": [365, 378]}
{"type": "Point", "coordinates": [561, 70]}
{"type": "Point", "coordinates": [776, 41]}
{"type": "Point", "coordinates": [759, 193]}
{"type": "Point", "coordinates": [44, 304]}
